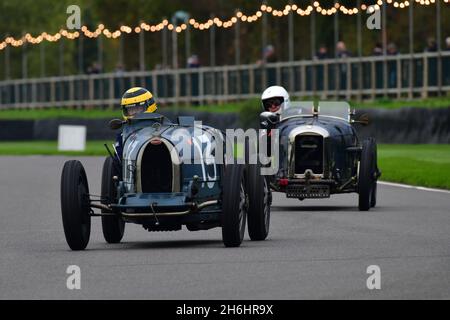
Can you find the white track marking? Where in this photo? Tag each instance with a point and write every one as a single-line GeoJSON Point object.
{"type": "Point", "coordinates": [406, 186]}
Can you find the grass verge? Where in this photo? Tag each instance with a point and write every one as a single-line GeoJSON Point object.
{"type": "Point", "coordinates": [68, 113]}
{"type": "Point", "coordinates": [50, 148]}
{"type": "Point", "coordinates": [251, 107]}
{"type": "Point", "coordinates": [421, 165]}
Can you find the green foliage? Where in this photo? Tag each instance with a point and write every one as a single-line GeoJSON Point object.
{"type": "Point", "coordinates": [27, 16]}
{"type": "Point", "coordinates": [249, 113]}
{"type": "Point", "coordinates": [18, 17]}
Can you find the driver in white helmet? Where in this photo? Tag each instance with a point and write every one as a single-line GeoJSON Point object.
{"type": "Point", "coordinates": [275, 99]}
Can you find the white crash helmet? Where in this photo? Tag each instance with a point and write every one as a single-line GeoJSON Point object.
{"type": "Point", "coordinates": [271, 95]}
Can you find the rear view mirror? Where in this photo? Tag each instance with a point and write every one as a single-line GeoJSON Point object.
{"type": "Point", "coordinates": [268, 120]}
{"type": "Point", "coordinates": [115, 124]}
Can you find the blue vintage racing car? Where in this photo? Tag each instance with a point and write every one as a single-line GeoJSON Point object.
{"type": "Point", "coordinates": [171, 174]}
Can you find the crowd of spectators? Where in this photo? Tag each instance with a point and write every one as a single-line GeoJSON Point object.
{"type": "Point", "coordinates": [341, 52]}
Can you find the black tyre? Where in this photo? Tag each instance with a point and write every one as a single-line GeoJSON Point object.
{"type": "Point", "coordinates": [234, 206]}
{"type": "Point", "coordinates": [373, 196]}
{"type": "Point", "coordinates": [75, 206]}
{"type": "Point", "coordinates": [113, 227]}
{"type": "Point", "coordinates": [366, 179]}
{"type": "Point", "coordinates": [258, 204]}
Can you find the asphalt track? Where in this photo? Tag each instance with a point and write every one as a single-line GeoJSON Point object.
{"type": "Point", "coordinates": [317, 249]}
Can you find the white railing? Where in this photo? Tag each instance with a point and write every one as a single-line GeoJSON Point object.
{"type": "Point", "coordinates": [363, 78]}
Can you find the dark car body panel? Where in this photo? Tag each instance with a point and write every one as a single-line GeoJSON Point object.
{"type": "Point", "coordinates": [318, 154]}
{"type": "Point", "coordinates": [193, 184]}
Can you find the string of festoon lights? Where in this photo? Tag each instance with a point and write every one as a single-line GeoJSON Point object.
{"type": "Point", "coordinates": [239, 16]}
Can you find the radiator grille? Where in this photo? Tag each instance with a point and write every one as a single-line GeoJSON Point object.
{"type": "Point", "coordinates": [308, 154]}
{"type": "Point", "coordinates": [156, 172]}
{"type": "Point", "coordinates": [310, 191]}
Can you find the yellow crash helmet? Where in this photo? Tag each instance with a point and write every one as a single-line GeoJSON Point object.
{"type": "Point", "coordinates": [137, 100]}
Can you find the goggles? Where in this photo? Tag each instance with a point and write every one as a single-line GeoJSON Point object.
{"type": "Point", "coordinates": [133, 109]}
{"type": "Point", "coordinates": [269, 103]}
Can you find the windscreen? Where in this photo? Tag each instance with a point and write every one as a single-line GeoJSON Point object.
{"type": "Point", "coordinates": [298, 109]}
{"type": "Point", "coordinates": [336, 109]}
{"type": "Point", "coordinates": [326, 108]}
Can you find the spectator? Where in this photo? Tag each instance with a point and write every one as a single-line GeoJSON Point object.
{"type": "Point", "coordinates": [342, 53]}
{"type": "Point", "coordinates": [432, 62]}
{"type": "Point", "coordinates": [95, 68]}
{"type": "Point", "coordinates": [120, 69]}
{"type": "Point", "coordinates": [322, 53]}
{"type": "Point", "coordinates": [392, 65]}
{"type": "Point", "coordinates": [446, 63]}
{"type": "Point", "coordinates": [341, 50]}
{"type": "Point", "coordinates": [193, 61]}
{"type": "Point", "coordinates": [392, 49]}
{"type": "Point", "coordinates": [377, 50]}
{"type": "Point", "coordinates": [269, 55]}
{"type": "Point", "coordinates": [431, 45]}
{"type": "Point", "coordinates": [119, 85]}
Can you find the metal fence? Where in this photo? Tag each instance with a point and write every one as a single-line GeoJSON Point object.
{"type": "Point", "coordinates": [407, 76]}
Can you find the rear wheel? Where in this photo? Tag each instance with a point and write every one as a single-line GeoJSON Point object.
{"type": "Point", "coordinates": [113, 227]}
{"type": "Point", "coordinates": [234, 206]}
{"type": "Point", "coordinates": [258, 204]}
{"type": "Point", "coordinates": [75, 206]}
{"type": "Point", "coordinates": [367, 179]}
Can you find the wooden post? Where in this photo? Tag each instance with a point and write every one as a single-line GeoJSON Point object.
{"type": "Point", "coordinates": [411, 51]}
{"type": "Point", "coordinates": [373, 79]}
{"type": "Point", "coordinates": [425, 76]}
{"type": "Point", "coordinates": [399, 78]}
{"type": "Point", "coordinates": [384, 36]}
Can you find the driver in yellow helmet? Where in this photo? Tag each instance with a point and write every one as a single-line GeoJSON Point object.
{"type": "Point", "coordinates": [134, 101]}
{"type": "Point", "coordinates": [137, 100]}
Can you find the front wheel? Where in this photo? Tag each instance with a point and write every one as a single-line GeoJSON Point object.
{"type": "Point", "coordinates": [75, 206]}
{"type": "Point", "coordinates": [367, 176]}
{"type": "Point", "coordinates": [113, 227]}
{"type": "Point", "coordinates": [234, 206]}
{"type": "Point", "coordinates": [258, 204]}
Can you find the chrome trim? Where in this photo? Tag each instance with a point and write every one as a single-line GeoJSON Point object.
{"type": "Point", "coordinates": [179, 213]}
{"type": "Point", "coordinates": [309, 116]}
{"type": "Point", "coordinates": [175, 164]}
{"type": "Point", "coordinates": [100, 206]}
{"type": "Point", "coordinates": [146, 215]}
{"type": "Point", "coordinates": [308, 129]}
{"type": "Point", "coordinates": [305, 130]}
{"type": "Point", "coordinates": [334, 117]}
{"type": "Point", "coordinates": [207, 204]}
